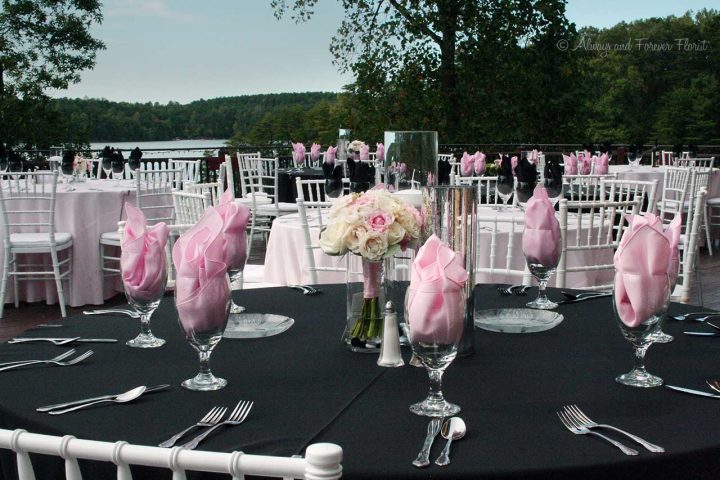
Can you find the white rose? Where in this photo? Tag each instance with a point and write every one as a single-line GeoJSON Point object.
{"type": "Point", "coordinates": [373, 245]}
{"type": "Point", "coordinates": [332, 239]}
{"type": "Point", "coordinates": [352, 240]}
{"type": "Point", "coordinates": [395, 234]}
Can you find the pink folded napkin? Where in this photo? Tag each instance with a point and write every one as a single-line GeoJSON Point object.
{"type": "Point", "coordinates": [435, 296]}
{"type": "Point", "coordinates": [532, 157]}
{"type": "Point", "coordinates": [479, 163]}
{"type": "Point", "coordinates": [380, 152]}
{"type": "Point", "coordinates": [202, 288]}
{"type": "Point", "coordinates": [585, 164]}
{"type": "Point", "coordinates": [541, 238]}
{"type": "Point", "coordinates": [364, 152]}
{"type": "Point", "coordinates": [642, 266]}
{"type": "Point", "coordinates": [235, 218]}
{"type": "Point", "coordinates": [314, 152]}
{"type": "Point", "coordinates": [466, 165]}
{"type": "Point", "coordinates": [514, 163]}
{"type": "Point", "coordinates": [142, 261]}
{"type": "Point", "coordinates": [401, 168]}
{"type": "Point", "coordinates": [299, 153]}
{"type": "Point", "coordinates": [570, 163]}
{"type": "Point", "coordinates": [330, 155]}
{"type": "Point", "coordinates": [601, 164]}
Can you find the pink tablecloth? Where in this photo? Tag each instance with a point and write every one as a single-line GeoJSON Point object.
{"type": "Point", "coordinates": [92, 209]}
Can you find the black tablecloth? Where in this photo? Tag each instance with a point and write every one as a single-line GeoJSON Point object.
{"type": "Point", "coordinates": [286, 190]}
{"type": "Point", "coordinates": [308, 389]}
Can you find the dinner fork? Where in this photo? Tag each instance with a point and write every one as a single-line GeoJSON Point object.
{"type": "Point", "coordinates": [522, 291]}
{"type": "Point", "coordinates": [574, 412]}
{"type": "Point", "coordinates": [56, 362]}
{"type": "Point", "coordinates": [508, 290]}
{"type": "Point", "coordinates": [714, 384]}
{"type": "Point", "coordinates": [691, 315]}
{"type": "Point", "coordinates": [59, 357]}
{"type": "Point", "coordinates": [580, 430]}
{"type": "Point", "coordinates": [238, 416]}
{"type": "Point", "coordinates": [129, 313]}
{"type": "Point", "coordinates": [210, 419]}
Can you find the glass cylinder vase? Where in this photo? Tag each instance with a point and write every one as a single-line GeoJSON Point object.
{"type": "Point", "coordinates": [365, 300]}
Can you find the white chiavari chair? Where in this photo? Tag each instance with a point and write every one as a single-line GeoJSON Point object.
{"type": "Point", "coordinates": [190, 168]}
{"type": "Point", "coordinates": [689, 243]}
{"type": "Point", "coordinates": [215, 189]}
{"type": "Point", "coordinates": [597, 228]}
{"type": "Point", "coordinates": [486, 187]}
{"type": "Point", "coordinates": [667, 158]}
{"type": "Point", "coordinates": [676, 186]}
{"type": "Point", "coordinates": [584, 188]}
{"type": "Point", "coordinates": [624, 190]}
{"type": "Point", "coordinates": [311, 245]}
{"type": "Point", "coordinates": [311, 191]}
{"type": "Point", "coordinates": [496, 256]}
{"type": "Point", "coordinates": [704, 163]}
{"type": "Point", "coordinates": [27, 204]}
{"type": "Point", "coordinates": [190, 207]}
{"type": "Point", "coordinates": [322, 461]}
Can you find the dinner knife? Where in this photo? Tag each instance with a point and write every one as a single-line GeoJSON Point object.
{"type": "Point", "coordinates": [693, 392]}
{"type": "Point", "coordinates": [703, 334]}
{"type": "Point", "coordinates": [590, 297]}
{"type": "Point", "coordinates": [67, 339]}
{"type": "Point", "coordinates": [102, 397]}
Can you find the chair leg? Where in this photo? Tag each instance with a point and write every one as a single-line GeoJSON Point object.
{"type": "Point", "coordinates": [58, 282]}
{"type": "Point", "coordinates": [16, 282]}
{"type": "Point", "coordinates": [4, 281]}
{"type": "Point", "coordinates": [706, 226]}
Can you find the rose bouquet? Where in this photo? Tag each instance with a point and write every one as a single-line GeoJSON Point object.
{"type": "Point", "coordinates": [374, 225]}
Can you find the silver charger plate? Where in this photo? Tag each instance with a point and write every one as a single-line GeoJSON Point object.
{"type": "Point", "coordinates": [517, 320]}
{"type": "Point", "coordinates": [256, 325]}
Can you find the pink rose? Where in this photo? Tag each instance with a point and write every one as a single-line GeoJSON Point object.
{"type": "Point", "coordinates": [379, 221]}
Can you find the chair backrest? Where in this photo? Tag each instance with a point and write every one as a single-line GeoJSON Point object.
{"type": "Point", "coordinates": [190, 168]}
{"type": "Point", "coordinates": [153, 193]}
{"type": "Point", "coordinates": [676, 185]}
{"type": "Point", "coordinates": [626, 190]}
{"type": "Point", "coordinates": [446, 157]}
{"type": "Point", "coordinates": [593, 231]}
{"type": "Point", "coordinates": [667, 158]}
{"type": "Point", "coordinates": [214, 189]}
{"type": "Point", "coordinates": [311, 192]}
{"type": "Point", "coordinates": [27, 202]}
{"type": "Point", "coordinates": [498, 255]}
{"type": "Point", "coordinates": [705, 163]}
{"type": "Point", "coordinates": [584, 188]}
{"type": "Point", "coordinates": [189, 207]}
{"type": "Point", "coordinates": [486, 187]}
{"type": "Point", "coordinates": [690, 248]}
{"type": "Point", "coordinates": [243, 159]}
{"type": "Point", "coordinates": [311, 246]}
{"type": "Point", "coordinates": [260, 177]}
{"type": "Point", "coordinates": [322, 460]}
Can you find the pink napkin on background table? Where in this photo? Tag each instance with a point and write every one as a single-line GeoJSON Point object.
{"type": "Point", "coordinates": [314, 152]}
{"type": "Point", "coordinates": [532, 157]}
{"type": "Point", "coordinates": [235, 218]}
{"type": "Point", "coordinates": [299, 153]}
{"type": "Point", "coordinates": [571, 164]}
{"type": "Point", "coordinates": [585, 164]}
{"type": "Point", "coordinates": [466, 165]}
{"type": "Point", "coordinates": [142, 261]}
{"type": "Point", "coordinates": [602, 164]}
{"type": "Point", "coordinates": [541, 238]}
{"type": "Point", "coordinates": [514, 163]}
{"type": "Point", "coordinates": [642, 266]}
{"type": "Point", "coordinates": [435, 296]}
{"type": "Point", "coordinates": [330, 155]}
{"type": "Point", "coordinates": [380, 152]}
{"type": "Point", "coordinates": [479, 163]}
{"type": "Point", "coordinates": [365, 152]}
{"type": "Point", "coordinates": [202, 288]}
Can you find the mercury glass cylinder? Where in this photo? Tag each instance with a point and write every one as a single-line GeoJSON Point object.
{"type": "Point", "coordinates": [450, 215]}
{"type": "Point", "coordinates": [342, 144]}
{"type": "Point", "coordinates": [411, 159]}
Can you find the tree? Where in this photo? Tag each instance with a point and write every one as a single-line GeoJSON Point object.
{"type": "Point", "coordinates": [415, 49]}
{"type": "Point", "coordinates": [43, 45]}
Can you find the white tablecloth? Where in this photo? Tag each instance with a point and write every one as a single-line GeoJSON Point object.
{"type": "Point", "coordinates": [92, 209]}
{"type": "Point", "coordinates": [647, 173]}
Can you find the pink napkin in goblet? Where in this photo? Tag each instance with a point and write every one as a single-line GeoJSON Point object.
{"type": "Point", "coordinates": [299, 153]}
{"type": "Point", "coordinates": [235, 218]}
{"type": "Point", "coordinates": [479, 163]}
{"type": "Point", "coordinates": [571, 164]}
{"type": "Point", "coordinates": [380, 152]}
{"type": "Point", "coordinates": [364, 152]}
{"type": "Point", "coordinates": [435, 295]}
{"type": "Point", "coordinates": [466, 165]}
{"type": "Point", "coordinates": [142, 261]}
{"type": "Point", "coordinates": [642, 266]}
{"type": "Point", "coordinates": [601, 164]}
{"type": "Point", "coordinates": [541, 238]}
{"type": "Point", "coordinates": [585, 164]}
{"type": "Point", "coordinates": [314, 152]}
{"type": "Point", "coordinates": [201, 285]}
{"type": "Point", "coordinates": [330, 155]}
{"type": "Point", "coordinates": [532, 157]}
{"type": "Point", "coordinates": [514, 163]}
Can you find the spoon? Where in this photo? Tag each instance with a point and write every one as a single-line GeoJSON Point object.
{"type": "Point", "coordinates": [690, 316]}
{"type": "Point", "coordinates": [122, 398]}
{"type": "Point", "coordinates": [453, 429]}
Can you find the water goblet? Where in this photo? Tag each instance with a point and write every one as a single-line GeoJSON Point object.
{"type": "Point", "coordinates": [435, 353]}
{"type": "Point", "coordinates": [4, 164]}
{"type": "Point", "coordinates": [203, 334]}
{"type": "Point", "coordinates": [68, 172]}
{"type": "Point", "coordinates": [15, 167]}
{"type": "Point", "coordinates": [554, 190]}
{"type": "Point", "coordinates": [634, 160]}
{"type": "Point", "coordinates": [523, 192]}
{"type": "Point", "coordinates": [106, 165]}
{"type": "Point", "coordinates": [236, 275]}
{"type": "Point", "coordinates": [134, 165]}
{"type": "Point", "coordinates": [640, 335]}
{"type": "Point", "coordinates": [118, 169]}
{"type": "Point", "coordinates": [542, 274]}
{"type": "Point", "coordinates": [504, 189]}
{"type": "Point", "coordinates": [146, 304]}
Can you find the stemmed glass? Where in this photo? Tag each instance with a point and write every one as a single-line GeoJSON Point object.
{"type": "Point", "coordinates": [117, 166]}
{"type": "Point", "coordinates": [134, 164]}
{"type": "Point", "coordinates": [542, 274]}
{"type": "Point", "coordinates": [203, 336]}
{"type": "Point", "coordinates": [504, 189]}
{"type": "Point", "coordinates": [15, 167]}
{"type": "Point", "coordinates": [235, 277]}
{"type": "Point", "coordinates": [635, 160]}
{"type": "Point", "coordinates": [523, 192]}
{"type": "Point", "coordinates": [146, 305]}
{"type": "Point", "coordinates": [640, 335]}
{"type": "Point", "coordinates": [3, 165]}
{"type": "Point", "coordinates": [68, 171]}
{"type": "Point", "coordinates": [106, 165]}
{"type": "Point", "coordinates": [435, 354]}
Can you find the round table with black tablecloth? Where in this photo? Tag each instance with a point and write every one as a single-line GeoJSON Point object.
{"type": "Point", "coordinates": [286, 191]}
{"type": "Point", "coordinates": [307, 389]}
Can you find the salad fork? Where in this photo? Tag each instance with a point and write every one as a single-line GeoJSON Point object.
{"type": "Point", "coordinates": [238, 416]}
{"type": "Point", "coordinates": [59, 357]}
{"type": "Point", "coordinates": [580, 430]}
{"type": "Point", "coordinates": [574, 412]}
{"type": "Point", "coordinates": [714, 384]}
{"type": "Point", "coordinates": [523, 291]}
{"type": "Point", "coordinates": [507, 290]}
{"type": "Point", "coordinates": [68, 363]}
{"type": "Point", "coordinates": [209, 420]}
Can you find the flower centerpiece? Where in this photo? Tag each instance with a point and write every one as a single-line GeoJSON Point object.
{"type": "Point", "coordinates": [374, 225]}
{"type": "Point", "coordinates": [81, 167]}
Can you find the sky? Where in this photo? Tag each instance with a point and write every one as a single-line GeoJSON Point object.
{"type": "Point", "coordinates": [186, 50]}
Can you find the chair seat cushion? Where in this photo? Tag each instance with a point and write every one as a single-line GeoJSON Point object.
{"type": "Point", "coordinates": [713, 201]}
{"type": "Point", "coordinates": [260, 199]}
{"type": "Point", "coordinates": [110, 238]}
{"type": "Point", "coordinates": [287, 207]}
{"type": "Point", "coordinates": [38, 239]}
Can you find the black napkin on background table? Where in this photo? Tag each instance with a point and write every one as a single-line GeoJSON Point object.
{"type": "Point", "coordinates": [333, 179]}
{"type": "Point", "coordinates": [361, 174]}
{"type": "Point", "coordinates": [444, 169]}
{"type": "Point", "coordinates": [525, 171]}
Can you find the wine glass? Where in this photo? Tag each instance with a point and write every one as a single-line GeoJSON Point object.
{"type": "Point", "coordinates": [117, 166]}
{"type": "Point", "coordinates": [145, 304]}
{"type": "Point", "coordinates": [68, 172]}
{"type": "Point", "coordinates": [504, 189]}
{"type": "Point", "coordinates": [634, 160]}
{"type": "Point", "coordinates": [542, 269]}
{"type": "Point", "coordinates": [4, 164]}
{"type": "Point", "coordinates": [235, 279]}
{"type": "Point", "coordinates": [106, 165]}
{"type": "Point", "coordinates": [134, 164]}
{"type": "Point", "coordinates": [640, 334]}
{"type": "Point", "coordinates": [436, 352]}
{"type": "Point", "coordinates": [204, 334]}
{"type": "Point", "coordinates": [523, 192]}
{"type": "Point", "coordinates": [554, 189]}
{"type": "Point", "coordinates": [15, 167]}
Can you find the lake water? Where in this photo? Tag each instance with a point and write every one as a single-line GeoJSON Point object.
{"type": "Point", "coordinates": [166, 149]}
